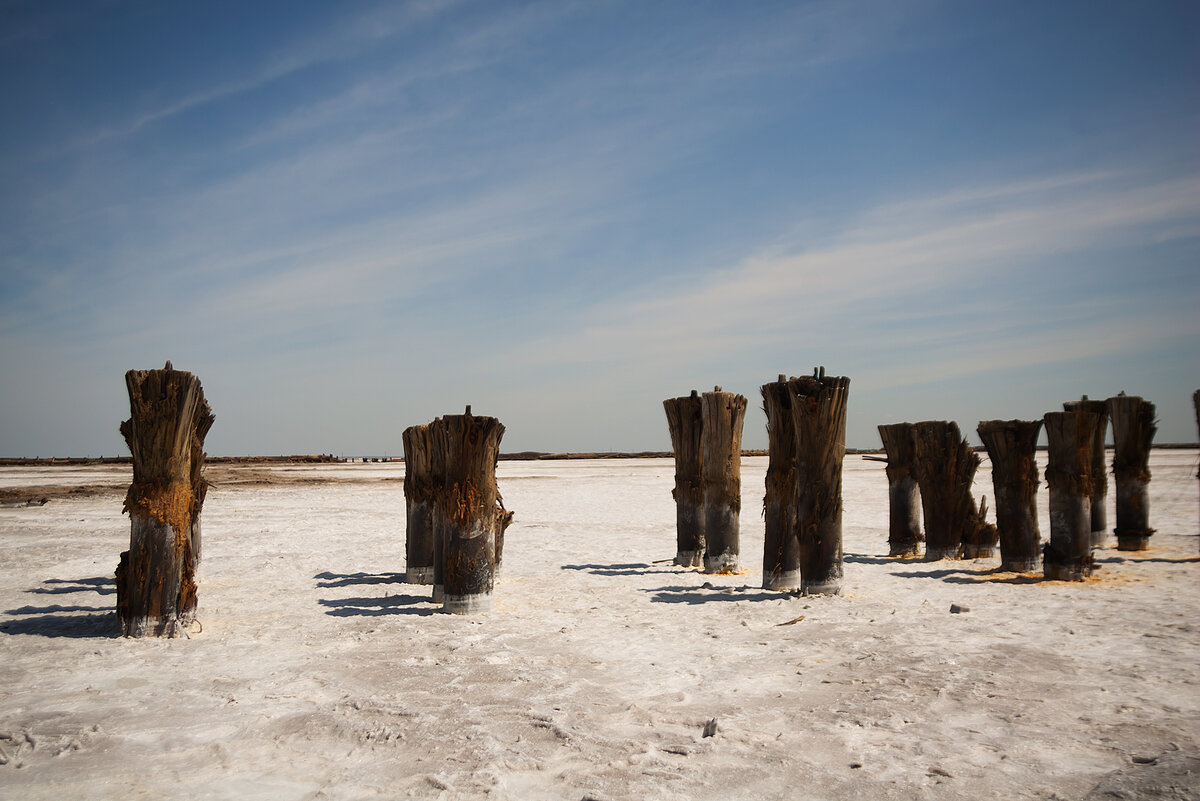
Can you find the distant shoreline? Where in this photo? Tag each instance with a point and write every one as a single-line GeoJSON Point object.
{"type": "Point", "coordinates": [520, 456]}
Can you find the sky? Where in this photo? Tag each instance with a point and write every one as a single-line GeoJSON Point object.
{"type": "Point", "coordinates": [351, 218]}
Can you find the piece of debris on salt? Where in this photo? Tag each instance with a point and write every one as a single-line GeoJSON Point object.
{"type": "Point", "coordinates": [710, 728]}
{"type": "Point", "coordinates": [955, 609]}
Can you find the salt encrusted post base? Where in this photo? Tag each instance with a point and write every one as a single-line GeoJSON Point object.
{"type": "Point", "coordinates": [933, 554]}
{"type": "Point", "coordinates": [466, 604]}
{"type": "Point", "coordinates": [690, 558]}
{"type": "Point", "coordinates": [419, 575]}
{"type": "Point", "coordinates": [721, 464]}
{"type": "Point", "coordinates": [789, 581]}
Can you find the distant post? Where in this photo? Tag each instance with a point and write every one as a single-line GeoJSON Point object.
{"type": "Point", "coordinates": [904, 512]}
{"type": "Point", "coordinates": [169, 418]}
{"type": "Point", "coordinates": [1097, 469]}
{"type": "Point", "coordinates": [685, 421]}
{"type": "Point", "coordinates": [1133, 432]}
{"type": "Point", "coordinates": [721, 456]}
{"type": "Point", "coordinates": [781, 545]}
{"type": "Point", "coordinates": [1068, 554]}
{"type": "Point", "coordinates": [1011, 445]}
{"type": "Point", "coordinates": [945, 467]}
{"type": "Point", "coordinates": [419, 495]}
{"type": "Point", "coordinates": [819, 420]}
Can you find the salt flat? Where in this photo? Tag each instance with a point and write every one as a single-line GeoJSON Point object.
{"type": "Point", "coordinates": [314, 672]}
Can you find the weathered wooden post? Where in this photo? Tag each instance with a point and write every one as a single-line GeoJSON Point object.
{"type": "Point", "coordinates": [904, 511]}
{"type": "Point", "coordinates": [156, 584]}
{"type": "Point", "coordinates": [472, 511]}
{"type": "Point", "coordinates": [685, 420]}
{"type": "Point", "coordinates": [1133, 431]}
{"type": "Point", "coordinates": [945, 466]}
{"type": "Point", "coordinates": [437, 519]}
{"type": "Point", "coordinates": [819, 420]}
{"type": "Point", "coordinates": [1196, 404]}
{"type": "Point", "coordinates": [721, 458]}
{"type": "Point", "coordinates": [781, 544]}
{"type": "Point", "coordinates": [1011, 445]}
{"type": "Point", "coordinates": [1098, 469]}
{"type": "Point", "coordinates": [1069, 435]}
{"type": "Point", "coordinates": [420, 497]}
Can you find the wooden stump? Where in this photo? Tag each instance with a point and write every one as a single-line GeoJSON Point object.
{"type": "Point", "coordinates": [420, 494]}
{"type": "Point", "coordinates": [685, 420]}
{"type": "Point", "coordinates": [721, 464]}
{"type": "Point", "coordinates": [945, 467]}
{"type": "Point", "coordinates": [472, 511]}
{"type": "Point", "coordinates": [1011, 445]}
{"type": "Point", "coordinates": [904, 511]}
{"type": "Point", "coordinates": [819, 419]}
{"type": "Point", "coordinates": [169, 418]}
{"type": "Point", "coordinates": [1133, 432]}
{"type": "Point", "coordinates": [781, 543]}
{"type": "Point", "coordinates": [1068, 554]}
{"type": "Point", "coordinates": [1098, 470]}
{"type": "Point", "coordinates": [1196, 404]}
{"type": "Point", "coordinates": [437, 519]}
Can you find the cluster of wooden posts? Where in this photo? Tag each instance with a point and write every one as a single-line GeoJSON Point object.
{"type": "Point", "coordinates": [456, 517]}
{"type": "Point", "coordinates": [806, 429]}
{"type": "Point", "coordinates": [930, 460]}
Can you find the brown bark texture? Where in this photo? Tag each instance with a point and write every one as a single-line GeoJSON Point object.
{"type": "Point", "coordinates": [156, 577]}
{"type": "Point", "coordinates": [721, 454]}
{"type": "Point", "coordinates": [685, 421]}
{"type": "Point", "coordinates": [1069, 436]}
{"type": "Point", "coordinates": [472, 510]}
{"type": "Point", "coordinates": [781, 541]}
{"type": "Point", "coordinates": [904, 511]}
{"type": "Point", "coordinates": [1133, 432]}
{"type": "Point", "coordinates": [945, 467]}
{"type": "Point", "coordinates": [1011, 446]}
{"type": "Point", "coordinates": [420, 493]}
{"type": "Point", "coordinates": [819, 420]}
{"type": "Point", "coordinates": [1099, 470]}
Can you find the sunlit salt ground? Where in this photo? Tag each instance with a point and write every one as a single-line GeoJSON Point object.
{"type": "Point", "coordinates": [315, 673]}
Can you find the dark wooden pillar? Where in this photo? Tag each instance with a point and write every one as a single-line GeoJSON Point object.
{"type": "Point", "coordinates": [1196, 404]}
{"type": "Point", "coordinates": [904, 511]}
{"type": "Point", "coordinates": [1011, 445]}
{"type": "Point", "coordinates": [781, 544]}
{"type": "Point", "coordinates": [1098, 469]}
{"type": "Point", "coordinates": [945, 467]}
{"type": "Point", "coordinates": [1133, 432]}
{"type": "Point", "coordinates": [819, 420]}
{"type": "Point", "coordinates": [472, 511]}
{"type": "Point", "coordinates": [685, 420]}
{"type": "Point", "coordinates": [721, 457]}
{"type": "Point", "coordinates": [419, 496]}
{"type": "Point", "coordinates": [437, 519]}
{"type": "Point", "coordinates": [156, 584]}
{"type": "Point", "coordinates": [1069, 435]}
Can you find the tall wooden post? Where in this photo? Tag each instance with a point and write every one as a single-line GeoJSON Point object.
{"type": "Point", "coordinates": [1196, 404]}
{"type": "Point", "coordinates": [438, 522]}
{"type": "Point", "coordinates": [819, 419]}
{"type": "Point", "coordinates": [1098, 469]}
{"type": "Point", "coordinates": [419, 495]}
{"type": "Point", "coordinates": [472, 511]}
{"type": "Point", "coordinates": [904, 511]}
{"type": "Point", "coordinates": [721, 449]}
{"type": "Point", "coordinates": [1068, 554]}
{"type": "Point", "coordinates": [781, 544]}
{"type": "Point", "coordinates": [1133, 431]}
{"type": "Point", "coordinates": [945, 467]}
{"type": "Point", "coordinates": [685, 420]}
{"type": "Point", "coordinates": [169, 418]}
{"type": "Point", "coordinates": [1011, 445]}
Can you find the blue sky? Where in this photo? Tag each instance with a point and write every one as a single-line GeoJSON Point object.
{"type": "Point", "coordinates": [349, 218]}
